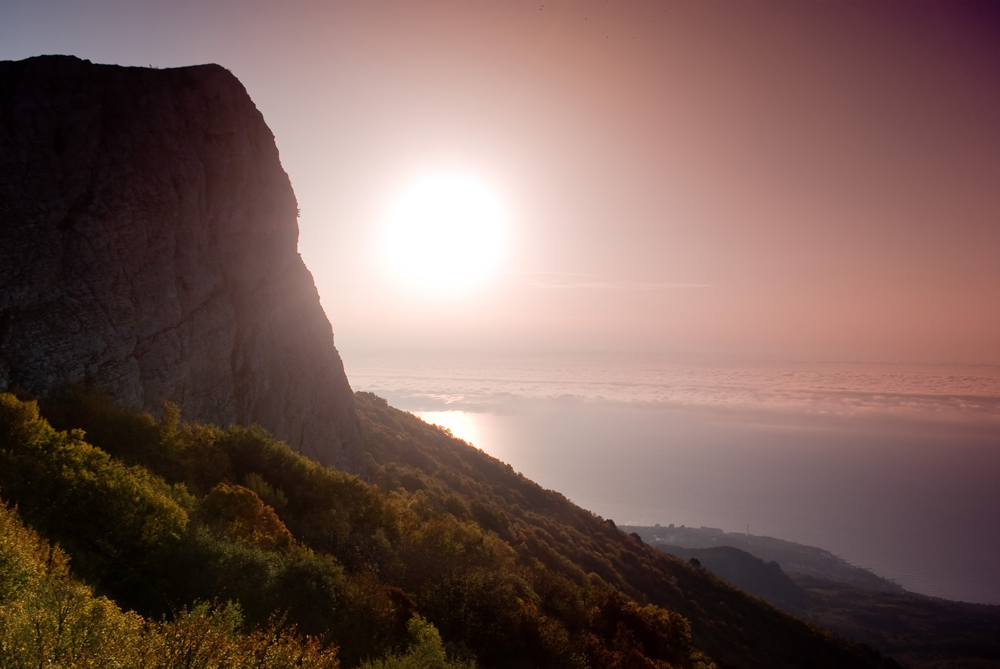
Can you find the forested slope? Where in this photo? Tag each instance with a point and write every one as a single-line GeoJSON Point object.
{"type": "Point", "coordinates": [448, 558]}
{"type": "Point", "coordinates": [453, 477]}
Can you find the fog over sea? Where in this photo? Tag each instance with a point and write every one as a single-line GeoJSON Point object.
{"type": "Point", "coordinates": [895, 468]}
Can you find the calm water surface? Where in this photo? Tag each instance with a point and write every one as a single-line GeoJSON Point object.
{"type": "Point", "coordinates": [894, 468]}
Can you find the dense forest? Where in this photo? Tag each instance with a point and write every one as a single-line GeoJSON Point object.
{"type": "Point", "coordinates": [134, 541]}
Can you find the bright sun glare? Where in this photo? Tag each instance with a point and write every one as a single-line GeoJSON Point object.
{"type": "Point", "coordinates": [444, 235]}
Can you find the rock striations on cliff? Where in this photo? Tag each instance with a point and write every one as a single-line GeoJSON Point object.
{"type": "Point", "coordinates": [148, 244]}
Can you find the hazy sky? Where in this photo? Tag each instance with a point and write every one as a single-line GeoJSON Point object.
{"type": "Point", "coordinates": [797, 179]}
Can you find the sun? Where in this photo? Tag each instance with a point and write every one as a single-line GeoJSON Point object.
{"type": "Point", "coordinates": [444, 235]}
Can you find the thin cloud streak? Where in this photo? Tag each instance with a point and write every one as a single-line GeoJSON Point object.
{"type": "Point", "coordinates": [617, 285]}
{"type": "Point", "coordinates": [548, 273]}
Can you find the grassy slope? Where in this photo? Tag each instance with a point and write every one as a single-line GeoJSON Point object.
{"type": "Point", "coordinates": [454, 477]}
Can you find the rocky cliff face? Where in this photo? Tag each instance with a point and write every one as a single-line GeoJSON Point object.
{"type": "Point", "coordinates": [148, 243]}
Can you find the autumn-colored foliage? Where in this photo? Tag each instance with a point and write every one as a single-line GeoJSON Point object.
{"type": "Point", "coordinates": [446, 559]}
{"type": "Point", "coordinates": [49, 618]}
{"type": "Point", "coordinates": [239, 514]}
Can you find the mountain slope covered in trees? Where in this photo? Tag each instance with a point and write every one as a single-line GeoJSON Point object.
{"type": "Point", "coordinates": [733, 628]}
{"type": "Point", "coordinates": [448, 558]}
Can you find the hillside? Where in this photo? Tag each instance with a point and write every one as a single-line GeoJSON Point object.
{"type": "Point", "coordinates": [50, 618]}
{"type": "Point", "coordinates": [456, 478]}
{"type": "Point", "coordinates": [766, 580]}
{"type": "Point", "coordinates": [923, 632]}
{"type": "Point", "coordinates": [158, 516]}
{"type": "Point", "coordinates": [794, 558]}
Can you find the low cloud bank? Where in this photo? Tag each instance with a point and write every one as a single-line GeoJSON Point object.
{"type": "Point", "coordinates": [813, 395]}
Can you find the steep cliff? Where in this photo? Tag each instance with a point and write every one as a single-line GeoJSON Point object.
{"type": "Point", "coordinates": [148, 243]}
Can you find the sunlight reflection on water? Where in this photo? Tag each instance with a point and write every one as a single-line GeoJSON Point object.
{"type": "Point", "coordinates": [462, 424]}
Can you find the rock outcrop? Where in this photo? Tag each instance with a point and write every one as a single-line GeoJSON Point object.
{"type": "Point", "coordinates": [149, 244]}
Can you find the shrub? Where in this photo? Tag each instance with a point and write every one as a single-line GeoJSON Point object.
{"type": "Point", "coordinates": [426, 651]}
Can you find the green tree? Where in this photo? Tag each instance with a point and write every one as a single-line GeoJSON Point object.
{"type": "Point", "coordinates": [426, 651]}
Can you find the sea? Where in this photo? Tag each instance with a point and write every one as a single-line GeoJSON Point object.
{"type": "Point", "coordinates": [892, 467]}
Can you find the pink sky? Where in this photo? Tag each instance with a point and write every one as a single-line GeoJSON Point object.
{"type": "Point", "coordinates": [809, 179]}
